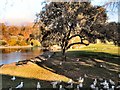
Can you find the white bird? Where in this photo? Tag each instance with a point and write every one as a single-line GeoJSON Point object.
{"type": "Point", "coordinates": [13, 78]}
{"type": "Point", "coordinates": [54, 84]}
{"type": "Point", "coordinates": [49, 56]}
{"type": "Point", "coordinates": [20, 85]}
{"type": "Point", "coordinates": [92, 86]}
{"type": "Point", "coordinates": [95, 81]}
{"type": "Point", "coordinates": [60, 63]}
{"type": "Point", "coordinates": [85, 76]}
{"type": "Point", "coordinates": [81, 85]}
{"type": "Point", "coordinates": [111, 82]}
{"type": "Point", "coordinates": [118, 87]}
{"type": "Point", "coordinates": [61, 87]}
{"type": "Point", "coordinates": [119, 75]}
{"type": "Point", "coordinates": [38, 85]}
{"type": "Point", "coordinates": [78, 87]}
{"type": "Point", "coordinates": [105, 84]}
{"type": "Point", "coordinates": [81, 80]}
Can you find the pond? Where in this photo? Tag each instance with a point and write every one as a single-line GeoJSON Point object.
{"type": "Point", "coordinates": [10, 55]}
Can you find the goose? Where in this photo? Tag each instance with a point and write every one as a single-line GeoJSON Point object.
{"type": "Point", "coordinates": [38, 85]}
{"type": "Point", "coordinates": [20, 85]}
{"type": "Point", "coordinates": [13, 78]}
{"type": "Point", "coordinates": [54, 84]}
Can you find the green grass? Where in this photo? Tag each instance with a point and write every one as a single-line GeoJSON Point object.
{"type": "Point", "coordinates": [106, 48]}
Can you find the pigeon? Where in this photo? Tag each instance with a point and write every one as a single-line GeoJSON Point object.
{"type": "Point", "coordinates": [54, 84]}
{"type": "Point", "coordinates": [20, 85]}
{"type": "Point", "coordinates": [13, 78]}
{"type": "Point", "coordinates": [38, 85]}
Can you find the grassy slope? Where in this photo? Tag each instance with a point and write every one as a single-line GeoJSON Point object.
{"type": "Point", "coordinates": [86, 60]}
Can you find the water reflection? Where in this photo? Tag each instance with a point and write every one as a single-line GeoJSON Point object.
{"type": "Point", "coordinates": [10, 55]}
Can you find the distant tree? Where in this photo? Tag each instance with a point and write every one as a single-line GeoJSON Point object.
{"type": "Point", "coordinates": [61, 21]}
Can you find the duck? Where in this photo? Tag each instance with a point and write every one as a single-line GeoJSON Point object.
{"type": "Point", "coordinates": [20, 85]}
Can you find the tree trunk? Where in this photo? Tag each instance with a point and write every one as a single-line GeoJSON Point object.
{"type": "Point", "coordinates": [63, 53]}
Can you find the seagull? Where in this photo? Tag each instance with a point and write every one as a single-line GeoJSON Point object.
{"type": "Point", "coordinates": [95, 81]}
{"type": "Point", "coordinates": [119, 75]}
{"type": "Point", "coordinates": [92, 86]}
{"type": "Point", "coordinates": [54, 84]}
{"type": "Point", "coordinates": [81, 80]}
{"type": "Point", "coordinates": [60, 63]}
{"type": "Point", "coordinates": [85, 75]}
{"type": "Point", "coordinates": [49, 56]}
{"type": "Point", "coordinates": [38, 85]}
{"type": "Point", "coordinates": [13, 78]}
{"type": "Point", "coordinates": [20, 85]}
{"type": "Point", "coordinates": [71, 83]}
{"type": "Point", "coordinates": [111, 82]}
{"type": "Point", "coordinates": [61, 87]}
{"type": "Point", "coordinates": [78, 87]}
{"type": "Point", "coordinates": [105, 84]}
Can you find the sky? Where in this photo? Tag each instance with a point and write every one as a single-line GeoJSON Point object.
{"type": "Point", "coordinates": [22, 11]}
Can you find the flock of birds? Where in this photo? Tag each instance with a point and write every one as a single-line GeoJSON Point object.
{"type": "Point", "coordinates": [97, 84]}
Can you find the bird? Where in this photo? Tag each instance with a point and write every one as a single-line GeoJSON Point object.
{"type": "Point", "coordinates": [20, 85]}
{"type": "Point", "coordinates": [78, 87]}
{"type": "Point", "coordinates": [71, 83]}
{"type": "Point", "coordinates": [92, 86]}
{"type": "Point", "coordinates": [38, 85]}
{"type": "Point", "coordinates": [49, 56]}
{"type": "Point", "coordinates": [85, 75]}
{"type": "Point", "coordinates": [81, 80]}
{"type": "Point", "coordinates": [105, 84]}
{"type": "Point", "coordinates": [61, 87]}
{"type": "Point", "coordinates": [54, 84]}
{"type": "Point", "coordinates": [60, 63]}
{"type": "Point", "coordinates": [111, 82]}
{"type": "Point", "coordinates": [119, 75]}
{"type": "Point", "coordinates": [13, 78]}
{"type": "Point", "coordinates": [95, 81]}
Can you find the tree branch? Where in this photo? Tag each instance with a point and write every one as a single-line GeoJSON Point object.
{"type": "Point", "coordinates": [77, 43]}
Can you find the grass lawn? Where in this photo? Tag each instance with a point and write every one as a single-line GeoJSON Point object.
{"type": "Point", "coordinates": [94, 61]}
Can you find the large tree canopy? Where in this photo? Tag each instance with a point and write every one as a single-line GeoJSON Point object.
{"type": "Point", "coordinates": [61, 21]}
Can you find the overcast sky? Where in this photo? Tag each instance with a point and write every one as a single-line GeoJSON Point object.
{"type": "Point", "coordinates": [20, 11]}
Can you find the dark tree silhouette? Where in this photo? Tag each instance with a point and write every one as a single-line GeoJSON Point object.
{"type": "Point", "coordinates": [61, 21]}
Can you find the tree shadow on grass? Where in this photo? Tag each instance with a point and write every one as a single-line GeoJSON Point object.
{"type": "Point", "coordinates": [80, 63]}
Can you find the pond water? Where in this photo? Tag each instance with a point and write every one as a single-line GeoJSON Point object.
{"type": "Point", "coordinates": [10, 55]}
